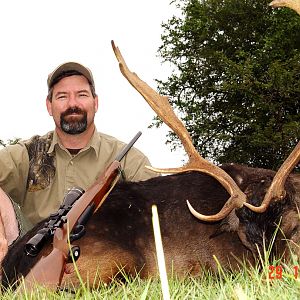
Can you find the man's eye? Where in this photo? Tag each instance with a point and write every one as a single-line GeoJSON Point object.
{"type": "Point", "coordinates": [83, 95]}
{"type": "Point", "coordinates": [61, 97]}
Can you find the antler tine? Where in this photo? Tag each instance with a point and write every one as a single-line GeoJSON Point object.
{"type": "Point", "coordinates": [292, 4]}
{"type": "Point", "coordinates": [276, 191]}
{"type": "Point", "coordinates": [226, 209]}
{"type": "Point", "coordinates": [162, 107]}
{"type": "Point", "coordinates": [158, 103]}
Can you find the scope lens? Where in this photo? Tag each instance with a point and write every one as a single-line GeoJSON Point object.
{"type": "Point", "coordinates": [35, 244]}
{"type": "Point", "coordinates": [31, 250]}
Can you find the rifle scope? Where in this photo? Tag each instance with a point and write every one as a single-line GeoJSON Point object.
{"type": "Point", "coordinates": [56, 220]}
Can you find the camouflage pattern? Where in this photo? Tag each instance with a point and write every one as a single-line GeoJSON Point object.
{"type": "Point", "coordinates": [41, 164]}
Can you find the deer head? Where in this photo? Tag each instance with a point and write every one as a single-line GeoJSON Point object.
{"type": "Point", "coordinates": [163, 109]}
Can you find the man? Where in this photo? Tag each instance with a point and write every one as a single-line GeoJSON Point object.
{"type": "Point", "coordinates": [37, 173]}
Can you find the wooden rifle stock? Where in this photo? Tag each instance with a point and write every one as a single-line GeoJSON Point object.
{"type": "Point", "coordinates": [49, 270]}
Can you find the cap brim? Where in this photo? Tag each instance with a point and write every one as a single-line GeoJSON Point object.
{"type": "Point", "coordinates": [70, 66]}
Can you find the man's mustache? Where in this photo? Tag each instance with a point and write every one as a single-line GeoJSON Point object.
{"type": "Point", "coordinates": [72, 110]}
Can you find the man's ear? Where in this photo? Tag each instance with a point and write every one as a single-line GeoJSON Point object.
{"type": "Point", "coordinates": [49, 106]}
{"type": "Point", "coordinates": [96, 103]}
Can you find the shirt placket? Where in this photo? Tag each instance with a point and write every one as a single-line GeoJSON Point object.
{"type": "Point", "coordinates": [70, 174]}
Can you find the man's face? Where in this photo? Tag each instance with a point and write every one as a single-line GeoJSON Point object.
{"type": "Point", "coordinates": [73, 106]}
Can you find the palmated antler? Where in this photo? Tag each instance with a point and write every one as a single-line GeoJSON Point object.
{"type": "Point", "coordinates": [163, 109]}
{"type": "Point", "coordinates": [276, 190]}
{"type": "Point", "coordinates": [292, 4]}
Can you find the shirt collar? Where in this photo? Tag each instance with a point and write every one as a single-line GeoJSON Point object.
{"type": "Point", "coordinates": [53, 143]}
{"type": "Point", "coordinates": [94, 143]}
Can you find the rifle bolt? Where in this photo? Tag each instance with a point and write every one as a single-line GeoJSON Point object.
{"type": "Point", "coordinates": [75, 252]}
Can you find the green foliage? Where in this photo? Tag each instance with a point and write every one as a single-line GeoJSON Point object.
{"type": "Point", "coordinates": [236, 79]}
{"type": "Point", "coordinates": [9, 142]}
{"type": "Point", "coordinates": [2, 143]}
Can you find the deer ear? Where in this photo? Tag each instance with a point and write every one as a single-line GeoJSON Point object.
{"type": "Point", "coordinates": [238, 173]}
{"type": "Point", "coordinates": [229, 224]}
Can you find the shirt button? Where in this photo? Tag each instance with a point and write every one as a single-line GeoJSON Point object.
{"type": "Point", "coordinates": [71, 163]}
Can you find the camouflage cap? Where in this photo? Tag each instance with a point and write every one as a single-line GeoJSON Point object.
{"type": "Point", "coordinates": [70, 66]}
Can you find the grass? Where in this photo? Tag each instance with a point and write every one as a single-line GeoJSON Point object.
{"type": "Point", "coordinates": [275, 280]}
{"type": "Point", "coordinates": [248, 283]}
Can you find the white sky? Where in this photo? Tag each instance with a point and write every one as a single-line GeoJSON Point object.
{"type": "Point", "coordinates": [37, 36]}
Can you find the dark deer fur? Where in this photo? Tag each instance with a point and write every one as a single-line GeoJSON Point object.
{"type": "Point", "coordinates": [120, 235]}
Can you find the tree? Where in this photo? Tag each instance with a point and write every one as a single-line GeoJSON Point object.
{"type": "Point", "coordinates": [236, 79]}
{"type": "Point", "coordinates": [9, 142]}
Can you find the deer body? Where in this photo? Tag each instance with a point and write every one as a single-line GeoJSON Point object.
{"type": "Point", "coordinates": [119, 236]}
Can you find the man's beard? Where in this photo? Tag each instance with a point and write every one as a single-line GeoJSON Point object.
{"type": "Point", "coordinates": [76, 125]}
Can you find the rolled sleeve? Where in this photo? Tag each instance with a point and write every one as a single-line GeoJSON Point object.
{"type": "Point", "coordinates": [135, 166]}
{"type": "Point", "coordinates": [14, 166]}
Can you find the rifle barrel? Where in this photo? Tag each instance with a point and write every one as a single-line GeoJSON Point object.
{"type": "Point", "coordinates": [127, 147]}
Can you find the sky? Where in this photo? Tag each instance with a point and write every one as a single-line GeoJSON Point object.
{"type": "Point", "coordinates": [37, 36]}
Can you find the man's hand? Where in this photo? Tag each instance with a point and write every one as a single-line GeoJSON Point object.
{"type": "Point", "coordinates": [3, 242]}
{"type": "Point", "coordinates": [9, 228]}
{"type": "Point", "coordinates": [8, 218]}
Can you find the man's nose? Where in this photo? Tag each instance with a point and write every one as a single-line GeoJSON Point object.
{"type": "Point", "coordinates": [72, 101]}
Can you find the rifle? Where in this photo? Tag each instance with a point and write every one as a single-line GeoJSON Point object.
{"type": "Point", "coordinates": [75, 210]}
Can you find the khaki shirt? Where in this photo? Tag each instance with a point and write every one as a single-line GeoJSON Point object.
{"type": "Point", "coordinates": [37, 173]}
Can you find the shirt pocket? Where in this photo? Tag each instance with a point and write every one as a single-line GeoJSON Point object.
{"type": "Point", "coordinates": [41, 174]}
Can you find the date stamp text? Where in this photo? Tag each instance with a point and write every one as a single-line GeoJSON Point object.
{"type": "Point", "coordinates": [276, 272]}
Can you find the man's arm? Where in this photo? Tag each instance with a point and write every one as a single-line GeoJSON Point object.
{"type": "Point", "coordinates": [134, 166]}
{"type": "Point", "coordinates": [3, 241]}
{"type": "Point", "coordinates": [8, 218]}
{"type": "Point", "coordinates": [14, 166]}
{"type": "Point", "coordinates": [9, 228]}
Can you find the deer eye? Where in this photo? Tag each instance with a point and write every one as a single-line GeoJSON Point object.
{"type": "Point", "coordinates": [295, 230]}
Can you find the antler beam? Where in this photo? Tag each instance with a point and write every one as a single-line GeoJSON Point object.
{"type": "Point", "coordinates": [163, 109]}
{"type": "Point", "coordinates": [292, 4]}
